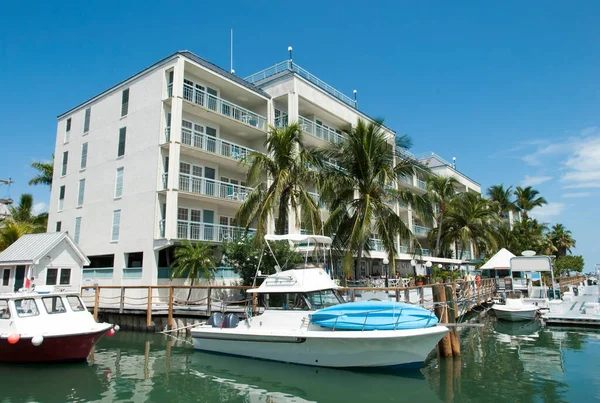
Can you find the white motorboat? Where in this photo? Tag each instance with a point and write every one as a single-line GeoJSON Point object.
{"type": "Point", "coordinates": [579, 307]}
{"type": "Point", "coordinates": [46, 326]}
{"type": "Point", "coordinates": [284, 331]}
{"type": "Point", "coordinates": [515, 310]}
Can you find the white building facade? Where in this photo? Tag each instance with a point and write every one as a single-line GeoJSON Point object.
{"type": "Point", "coordinates": [155, 159]}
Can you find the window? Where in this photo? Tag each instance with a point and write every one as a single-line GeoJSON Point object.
{"type": "Point", "coordinates": [84, 152]}
{"type": "Point", "coordinates": [122, 135]}
{"type": "Point", "coordinates": [58, 226]}
{"type": "Point", "coordinates": [285, 301]}
{"type": "Point", "coordinates": [26, 307]}
{"type": "Point", "coordinates": [86, 122]}
{"type": "Point", "coordinates": [75, 303]}
{"type": "Point", "coordinates": [101, 266]}
{"type": "Point", "coordinates": [323, 299]}
{"type": "Point", "coordinates": [65, 276]}
{"type": "Point", "coordinates": [54, 305]}
{"type": "Point", "coordinates": [119, 183]}
{"type": "Point", "coordinates": [77, 230]}
{"type": "Point", "coordinates": [61, 198]}
{"type": "Point", "coordinates": [51, 276]}
{"type": "Point", "coordinates": [125, 102]}
{"type": "Point", "coordinates": [68, 131]}
{"type": "Point", "coordinates": [4, 311]}
{"type": "Point", "coordinates": [135, 259]}
{"type": "Point", "coordinates": [64, 163]}
{"type": "Point", "coordinates": [116, 224]}
{"type": "Point", "coordinates": [81, 192]}
{"type": "Point", "coordinates": [5, 277]}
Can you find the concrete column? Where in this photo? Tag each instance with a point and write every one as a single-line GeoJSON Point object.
{"type": "Point", "coordinates": [118, 265]}
{"type": "Point", "coordinates": [150, 267]}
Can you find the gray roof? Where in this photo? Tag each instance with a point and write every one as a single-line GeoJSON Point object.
{"type": "Point", "coordinates": [32, 247]}
{"type": "Point", "coordinates": [185, 53]}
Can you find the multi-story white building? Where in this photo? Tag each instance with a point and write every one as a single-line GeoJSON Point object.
{"type": "Point", "coordinates": [155, 159]}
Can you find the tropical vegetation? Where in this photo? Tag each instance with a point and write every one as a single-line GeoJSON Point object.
{"type": "Point", "coordinates": [22, 220]}
{"type": "Point", "coordinates": [44, 174]}
{"type": "Point", "coordinates": [193, 261]}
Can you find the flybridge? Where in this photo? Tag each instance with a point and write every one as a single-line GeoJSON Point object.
{"type": "Point", "coordinates": [288, 65]}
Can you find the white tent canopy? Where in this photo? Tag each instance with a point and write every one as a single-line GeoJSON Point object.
{"type": "Point", "coordinates": [299, 238]}
{"type": "Point", "coordinates": [500, 260]}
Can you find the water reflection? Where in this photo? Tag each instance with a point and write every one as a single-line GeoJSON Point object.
{"type": "Point", "coordinates": [500, 362]}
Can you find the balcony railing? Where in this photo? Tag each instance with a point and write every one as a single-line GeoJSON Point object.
{"type": "Point", "coordinates": [466, 255]}
{"type": "Point", "coordinates": [170, 90]}
{"type": "Point", "coordinates": [289, 65]}
{"type": "Point", "coordinates": [420, 230]}
{"type": "Point", "coordinates": [165, 180]}
{"type": "Point", "coordinates": [376, 245]}
{"type": "Point", "coordinates": [319, 131]}
{"type": "Point", "coordinates": [197, 231]}
{"type": "Point", "coordinates": [281, 121]}
{"type": "Point", "coordinates": [167, 134]}
{"type": "Point", "coordinates": [214, 188]}
{"type": "Point", "coordinates": [403, 249]}
{"type": "Point", "coordinates": [405, 179]}
{"type": "Point", "coordinates": [421, 184]}
{"type": "Point", "coordinates": [223, 107]}
{"type": "Point", "coordinates": [214, 145]}
{"type": "Point", "coordinates": [317, 199]}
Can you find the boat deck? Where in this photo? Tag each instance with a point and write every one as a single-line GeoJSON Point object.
{"type": "Point", "coordinates": [581, 311]}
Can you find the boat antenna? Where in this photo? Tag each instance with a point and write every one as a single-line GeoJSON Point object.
{"type": "Point", "coordinates": [262, 252]}
{"type": "Point", "coordinates": [277, 267]}
{"type": "Point", "coordinates": [231, 52]}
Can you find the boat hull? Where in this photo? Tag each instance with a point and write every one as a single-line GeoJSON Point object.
{"type": "Point", "coordinates": [339, 349]}
{"type": "Point", "coordinates": [53, 348]}
{"type": "Point", "coordinates": [515, 315]}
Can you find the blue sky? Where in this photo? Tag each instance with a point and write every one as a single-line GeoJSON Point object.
{"type": "Point", "coordinates": [510, 88]}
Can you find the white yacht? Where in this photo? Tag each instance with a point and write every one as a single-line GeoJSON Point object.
{"type": "Point", "coordinates": [285, 332]}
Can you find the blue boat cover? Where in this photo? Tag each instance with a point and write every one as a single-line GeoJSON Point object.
{"type": "Point", "coordinates": [374, 315]}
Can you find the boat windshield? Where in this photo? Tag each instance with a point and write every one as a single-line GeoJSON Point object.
{"type": "Point", "coordinates": [323, 298]}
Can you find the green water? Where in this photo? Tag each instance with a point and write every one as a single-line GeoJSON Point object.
{"type": "Point", "coordinates": [500, 363]}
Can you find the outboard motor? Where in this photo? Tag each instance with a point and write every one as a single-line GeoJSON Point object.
{"type": "Point", "coordinates": [575, 291]}
{"type": "Point", "coordinates": [216, 320]}
{"type": "Point", "coordinates": [231, 320]}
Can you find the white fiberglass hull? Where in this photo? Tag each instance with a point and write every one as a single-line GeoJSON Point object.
{"type": "Point", "coordinates": [338, 349]}
{"type": "Point", "coordinates": [515, 315]}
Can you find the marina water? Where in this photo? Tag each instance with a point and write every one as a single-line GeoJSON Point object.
{"type": "Point", "coordinates": [516, 362]}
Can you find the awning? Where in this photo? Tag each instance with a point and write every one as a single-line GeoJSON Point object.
{"type": "Point", "coordinates": [299, 238]}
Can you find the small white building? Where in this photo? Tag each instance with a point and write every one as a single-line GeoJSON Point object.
{"type": "Point", "coordinates": [45, 260]}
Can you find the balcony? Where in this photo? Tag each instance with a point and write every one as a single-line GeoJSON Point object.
{"type": "Point", "coordinates": [281, 122]}
{"type": "Point", "coordinates": [223, 107]}
{"type": "Point", "coordinates": [214, 145]}
{"type": "Point", "coordinates": [421, 184]}
{"type": "Point", "coordinates": [213, 188]}
{"type": "Point", "coordinates": [419, 230]}
{"type": "Point", "coordinates": [288, 65]}
{"type": "Point", "coordinates": [376, 245]}
{"type": "Point", "coordinates": [196, 231]}
{"type": "Point", "coordinates": [165, 181]}
{"type": "Point", "coordinates": [324, 133]}
{"type": "Point", "coordinates": [317, 199]}
{"type": "Point", "coordinates": [161, 228]}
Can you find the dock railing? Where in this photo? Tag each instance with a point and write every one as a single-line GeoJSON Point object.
{"type": "Point", "coordinates": [203, 300]}
{"type": "Point", "coordinates": [565, 282]}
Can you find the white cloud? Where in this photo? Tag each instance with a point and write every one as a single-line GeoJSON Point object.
{"type": "Point", "coordinates": [547, 211]}
{"type": "Point", "coordinates": [577, 157]}
{"type": "Point", "coordinates": [534, 180]}
{"type": "Point", "coordinates": [577, 194]}
{"type": "Point", "coordinates": [39, 207]}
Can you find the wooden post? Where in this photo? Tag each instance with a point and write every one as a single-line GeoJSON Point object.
{"type": "Point", "coordinates": [352, 294]}
{"type": "Point", "coordinates": [170, 317]}
{"type": "Point", "coordinates": [407, 295]}
{"type": "Point", "coordinates": [208, 301]}
{"type": "Point", "coordinates": [439, 299]}
{"type": "Point", "coordinates": [122, 301]}
{"type": "Point", "coordinates": [149, 309]}
{"type": "Point", "coordinates": [422, 295]}
{"type": "Point", "coordinates": [96, 302]}
{"type": "Point", "coordinates": [451, 318]}
{"type": "Point", "coordinates": [468, 296]}
{"type": "Point", "coordinates": [454, 304]}
{"type": "Point", "coordinates": [397, 295]}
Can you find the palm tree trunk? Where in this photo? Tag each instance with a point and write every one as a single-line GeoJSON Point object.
{"type": "Point", "coordinates": [190, 290]}
{"type": "Point", "coordinates": [359, 259]}
{"type": "Point", "coordinates": [439, 235]}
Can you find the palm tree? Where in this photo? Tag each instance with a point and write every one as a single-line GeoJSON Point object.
{"type": "Point", "coordinates": [281, 180]}
{"type": "Point", "coordinates": [45, 172]}
{"type": "Point", "coordinates": [193, 261]}
{"type": "Point", "coordinates": [527, 199]}
{"type": "Point", "coordinates": [23, 213]}
{"type": "Point", "coordinates": [11, 231]}
{"type": "Point", "coordinates": [501, 199]}
{"type": "Point", "coordinates": [359, 189]}
{"type": "Point", "coordinates": [562, 239]}
{"type": "Point", "coordinates": [441, 190]}
{"type": "Point", "coordinates": [470, 220]}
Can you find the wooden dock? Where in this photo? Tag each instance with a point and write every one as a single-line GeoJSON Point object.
{"type": "Point", "coordinates": [160, 307]}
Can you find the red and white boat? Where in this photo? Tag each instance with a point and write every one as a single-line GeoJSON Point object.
{"type": "Point", "coordinates": [44, 327]}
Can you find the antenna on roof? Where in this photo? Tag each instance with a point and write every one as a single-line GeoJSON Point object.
{"type": "Point", "coordinates": [454, 162]}
{"type": "Point", "coordinates": [290, 50]}
{"type": "Point", "coordinates": [231, 52]}
{"type": "Point", "coordinates": [355, 100]}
